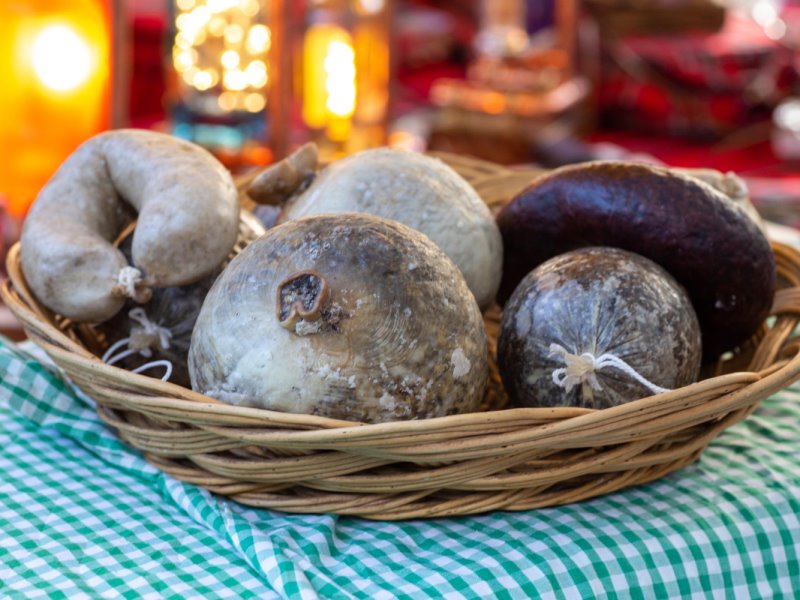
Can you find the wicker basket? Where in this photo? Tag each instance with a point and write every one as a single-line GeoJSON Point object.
{"type": "Point", "coordinates": [511, 459]}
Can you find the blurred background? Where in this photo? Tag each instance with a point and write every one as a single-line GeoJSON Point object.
{"type": "Point", "coordinates": [695, 83]}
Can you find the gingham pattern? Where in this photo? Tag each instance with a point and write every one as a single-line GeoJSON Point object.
{"type": "Point", "coordinates": [82, 515]}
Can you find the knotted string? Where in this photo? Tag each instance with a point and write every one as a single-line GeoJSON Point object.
{"type": "Point", "coordinates": [144, 331]}
{"type": "Point", "coordinates": [132, 284]}
{"type": "Point", "coordinates": [148, 331]}
{"type": "Point", "coordinates": [583, 368]}
{"type": "Point", "coordinates": [128, 280]}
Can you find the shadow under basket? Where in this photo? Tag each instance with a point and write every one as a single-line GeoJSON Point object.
{"type": "Point", "coordinates": [497, 459]}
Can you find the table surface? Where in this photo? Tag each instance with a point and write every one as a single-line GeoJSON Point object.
{"type": "Point", "coordinates": [83, 515]}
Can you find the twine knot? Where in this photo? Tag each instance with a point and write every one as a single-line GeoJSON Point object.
{"type": "Point", "coordinates": [131, 284]}
{"type": "Point", "coordinates": [583, 369]}
{"type": "Point", "coordinates": [128, 279]}
{"type": "Point", "coordinates": [147, 333]}
{"type": "Point", "coordinates": [141, 340]}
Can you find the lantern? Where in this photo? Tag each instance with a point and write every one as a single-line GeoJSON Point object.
{"type": "Point", "coordinates": [344, 69]}
{"type": "Point", "coordinates": [220, 54]}
{"type": "Point", "coordinates": [255, 78]}
{"type": "Point", "coordinates": [55, 62]}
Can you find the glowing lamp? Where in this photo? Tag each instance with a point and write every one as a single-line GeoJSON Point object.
{"type": "Point", "coordinates": [62, 59]}
{"type": "Point", "coordinates": [329, 80]}
{"type": "Point", "coordinates": [55, 60]}
{"type": "Point", "coordinates": [345, 71]}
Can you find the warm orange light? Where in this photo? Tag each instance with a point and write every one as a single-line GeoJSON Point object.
{"type": "Point", "coordinates": [256, 73]}
{"type": "Point", "coordinates": [372, 66]}
{"type": "Point", "coordinates": [259, 39]}
{"type": "Point", "coordinates": [61, 58]}
{"type": "Point", "coordinates": [329, 80]}
{"type": "Point", "coordinates": [55, 65]}
{"type": "Point", "coordinates": [340, 79]}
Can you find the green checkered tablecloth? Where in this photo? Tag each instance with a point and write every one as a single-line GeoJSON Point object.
{"type": "Point", "coordinates": [84, 516]}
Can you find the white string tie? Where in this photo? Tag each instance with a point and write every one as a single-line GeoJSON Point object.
{"type": "Point", "coordinates": [128, 280]}
{"type": "Point", "coordinates": [156, 363]}
{"type": "Point", "coordinates": [109, 357]}
{"type": "Point", "coordinates": [149, 330]}
{"type": "Point", "coordinates": [145, 330]}
{"type": "Point", "coordinates": [583, 368]}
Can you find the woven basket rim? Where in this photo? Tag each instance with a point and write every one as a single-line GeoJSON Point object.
{"type": "Point", "coordinates": [18, 298]}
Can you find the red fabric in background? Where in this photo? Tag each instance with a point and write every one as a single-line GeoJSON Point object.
{"type": "Point", "coordinates": [700, 85]}
{"type": "Point", "coordinates": [756, 159]}
{"type": "Point", "coordinates": [148, 72]}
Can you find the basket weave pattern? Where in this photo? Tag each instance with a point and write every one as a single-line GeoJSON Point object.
{"type": "Point", "coordinates": [510, 459]}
